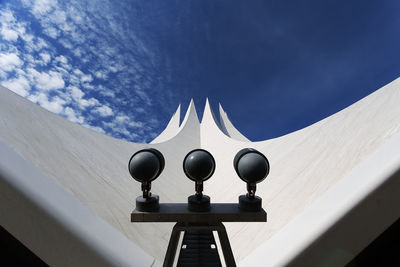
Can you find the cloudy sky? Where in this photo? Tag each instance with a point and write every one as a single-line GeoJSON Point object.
{"type": "Point", "coordinates": [122, 67]}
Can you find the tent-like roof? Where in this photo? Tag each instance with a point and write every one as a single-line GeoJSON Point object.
{"type": "Point", "coordinates": [67, 195]}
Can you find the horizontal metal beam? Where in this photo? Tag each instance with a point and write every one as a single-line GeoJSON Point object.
{"type": "Point", "coordinates": [179, 212]}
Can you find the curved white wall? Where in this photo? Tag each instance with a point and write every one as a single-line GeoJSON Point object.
{"type": "Point", "coordinates": [305, 164]}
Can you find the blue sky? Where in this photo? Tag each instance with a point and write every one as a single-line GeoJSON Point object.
{"type": "Point", "coordinates": [122, 67]}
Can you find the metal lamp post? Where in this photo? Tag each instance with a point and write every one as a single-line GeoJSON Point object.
{"type": "Point", "coordinates": [199, 218]}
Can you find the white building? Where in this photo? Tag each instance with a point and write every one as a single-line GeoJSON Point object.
{"type": "Point", "coordinates": [66, 193]}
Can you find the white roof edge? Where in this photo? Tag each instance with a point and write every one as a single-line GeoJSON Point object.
{"type": "Point", "coordinates": [228, 128]}
{"type": "Point", "coordinates": [191, 115]}
{"type": "Point", "coordinates": [209, 116]}
{"type": "Point", "coordinates": [171, 129]}
{"type": "Point", "coordinates": [39, 213]}
{"type": "Point", "coordinates": [221, 112]}
{"type": "Point", "coordinates": [320, 234]}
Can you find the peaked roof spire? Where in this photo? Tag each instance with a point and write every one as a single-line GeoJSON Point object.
{"type": "Point", "coordinates": [209, 116]}
{"type": "Point", "coordinates": [191, 114]}
{"type": "Point", "coordinates": [228, 128]}
{"type": "Point", "coordinates": [209, 124]}
{"type": "Point", "coordinates": [171, 129]}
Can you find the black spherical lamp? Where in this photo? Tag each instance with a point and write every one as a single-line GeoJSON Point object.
{"type": "Point", "coordinates": [145, 166]}
{"type": "Point", "coordinates": [199, 166]}
{"type": "Point", "coordinates": [252, 167]}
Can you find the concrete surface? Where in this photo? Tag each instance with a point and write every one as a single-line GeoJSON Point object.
{"type": "Point", "coordinates": [305, 166]}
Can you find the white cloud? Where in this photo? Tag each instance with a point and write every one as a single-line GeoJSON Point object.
{"type": "Point", "coordinates": [33, 61]}
{"type": "Point", "coordinates": [55, 105]}
{"type": "Point", "coordinates": [50, 81]}
{"type": "Point", "coordinates": [18, 85]}
{"type": "Point", "coordinates": [153, 122]}
{"type": "Point", "coordinates": [143, 95]}
{"type": "Point", "coordinates": [7, 16]}
{"type": "Point", "coordinates": [62, 59]}
{"type": "Point", "coordinates": [46, 81]}
{"type": "Point", "coordinates": [78, 72]}
{"type": "Point", "coordinates": [116, 127]}
{"type": "Point", "coordinates": [88, 86]}
{"type": "Point", "coordinates": [40, 66]}
{"type": "Point", "coordinates": [38, 44]}
{"type": "Point", "coordinates": [29, 60]}
{"type": "Point", "coordinates": [45, 57]}
{"type": "Point", "coordinates": [122, 119]}
{"type": "Point", "coordinates": [63, 62]}
{"type": "Point", "coordinates": [104, 111]}
{"type": "Point", "coordinates": [105, 92]}
{"type": "Point", "coordinates": [120, 126]}
{"type": "Point", "coordinates": [126, 121]}
{"type": "Point", "coordinates": [33, 43]}
{"type": "Point", "coordinates": [78, 53]}
{"type": "Point", "coordinates": [10, 29]}
{"type": "Point", "coordinates": [8, 34]}
{"type": "Point", "coordinates": [122, 131]}
{"type": "Point", "coordinates": [135, 124]}
{"type": "Point", "coordinates": [82, 76]}
{"type": "Point", "coordinates": [101, 75]}
{"type": "Point", "coordinates": [66, 43]}
{"type": "Point", "coordinates": [41, 7]}
{"type": "Point", "coordinates": [59, 17]}
{"type": "Point", "coordinates": [76, 15]}
{"type": "Point", "coordinates": [52, 32]}
{"type": "Point", "coordinates": [95, 128]}
{"type": "Point", "coordinates": [73, 116]}
{"type": "Point", "coordinates": [10, 61]}
{"type": "Point", "coordinates": [76, 92]}
{"type": "Point", "coordinates": [113, 69]}
{"type": "Point", "coordinates": [89, 102]}
{"type": "Point", "coordinates": [3, 75]}
{"type": "Point", "coordinates": [86, 78]}
{"type": "Point", "coordinates": [20, 29]}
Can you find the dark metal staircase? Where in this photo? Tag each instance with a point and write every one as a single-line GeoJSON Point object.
{"type": "Point", "coordinates": [198, 249]}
